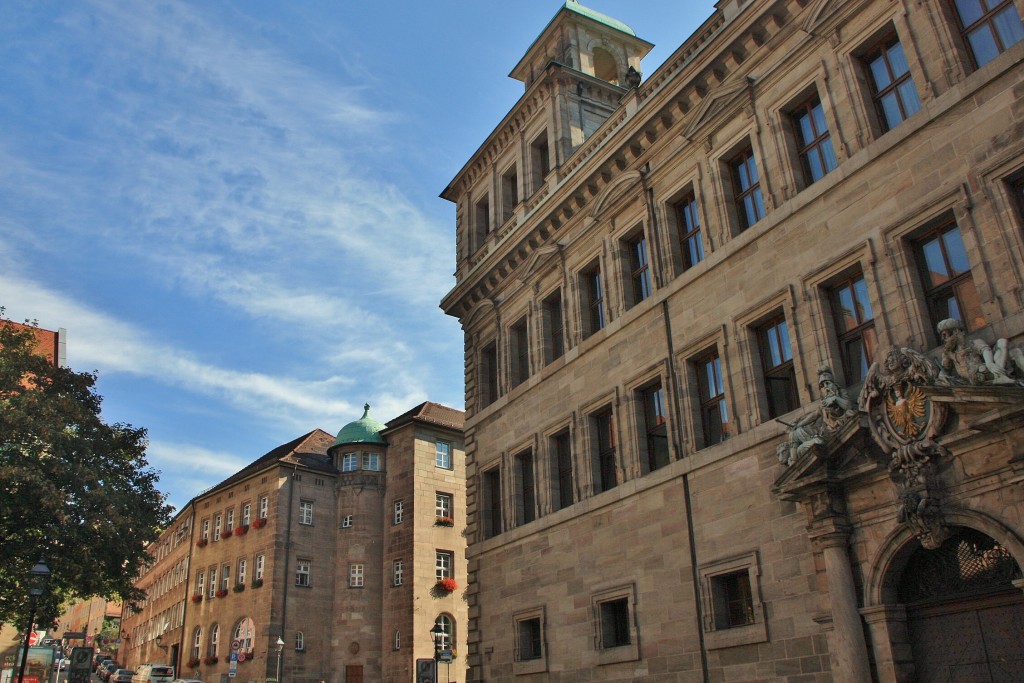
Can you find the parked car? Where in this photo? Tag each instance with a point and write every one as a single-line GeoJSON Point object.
{"type": "Point", "coordinates": [107, 669]}
{"type": "Point", "coordinates": [187, 680]}
{"type": "Point", "coordinates": [121, 676]}
{"type": "Point", "coordinates": [98, 659]}
{"type": "Point", "coordinates": [153, 673]}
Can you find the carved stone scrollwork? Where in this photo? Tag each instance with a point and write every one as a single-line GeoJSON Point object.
{"type": "Point", "coordinates": [905, 422]}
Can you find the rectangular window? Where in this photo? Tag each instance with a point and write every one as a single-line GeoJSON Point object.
{"type": "Point", "coordinates": [529, 639]}
{"type": "Point", "coordinates": [734, 604]}
{"type": "Point", "coordinates": [242, 566]}
{"type": "Point", "coordinates": [205, 535]}
{"type": "Point", "coordinates": [946, 276]}
{"type": "Point", "coordinates": [540, 160]}
{"type": "Point", "coordinates": [855, 326]}
{"type": "Point", "coordinates": [614, 623]}
{"type": "Point", "coordinates": [554, 327]}
{"type": "Point", "coordinates": [306, 512]}
{"type": "Point", "coordinates": [777, 364]}
{"type": "Point", "coordinates": [231, 519]}
{"type": "Point", "coordinates": [816, 153]}
{"type": "Point", "coordinates": [491, 508]}
{"type": "Point", "coordinates": [218, 523]}
{"type": "Point", "coordinates": [747, 188]}
{"type": "Point", "coordinates": [655, 430]}
{"type": "Point", "coordinates": [592, 305]}
{"type": "Point", "coordinates": [261, 561]}
{"type": "Point", "coordinates": [302, 572]}
{"type": "Point", "coordinates": [397, 572]}
{"type": "Point", "coordinates": [264, 507]}
{"type": "Point", "coordinates": [639, 268]}
{"type": "Point", "coordinates": [519, 350]}
{"type": "Point", "coordinates": [225, 577]}
{"type": "Point", "coordinates": [443, 564]}
{"type": "Point", "coordinates": [246, 514]}
{"type": "Point", "coordinates": [349, 462]}
{"type": "Point", "coordinates": [200, 583]}
{"type": "Point", "coordinates": [892, 86]}
{"type": "Point", "coordinates": [482, 220]}
{"type": "Point", "coordinates": [526, 502]}
{"type": "Point", "coordinates": [355, 576]}
{"type": "Point", "coordinates": [711, 391]}
{"type": "Point", "coordinates": [399, 512]}
{"type": "Point", "coordinates": [509, 193]}
{"type": "Point", "coordinates": [212, 589]}
{"type": "Point", "coordinates": [561, 455]}
{"type": "Point", "coordinates": [346, 522]}
{"type": "Point", "coordinates": [371, 462]}
{"type": "Point", "coordinates": [691, 243]}
{"type": "Point", "coordinates": [602, 425]}
{"type": "Point", "coordinates": [443, 505]}
{"type": "Point", "coordinates": [489, 373]}
{"type": "Point", "coordinates": [988, 27]}
{"type": "Point", "coordinates": [443, 455]}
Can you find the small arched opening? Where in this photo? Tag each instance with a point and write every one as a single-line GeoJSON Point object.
{"type": "Point", "coordinates": [605, 66]}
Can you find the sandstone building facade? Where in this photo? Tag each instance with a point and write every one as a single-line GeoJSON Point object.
{"type": "Point", "coordinates": [336, 545]}
{"type": "Point", "coordinates": [743, 388]}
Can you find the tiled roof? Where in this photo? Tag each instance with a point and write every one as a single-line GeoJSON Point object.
{"type": "Point", "coordinates": [434, 413]}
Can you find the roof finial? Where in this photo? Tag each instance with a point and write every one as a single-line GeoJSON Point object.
{"type": "Point", "coordinates": [366, 409]}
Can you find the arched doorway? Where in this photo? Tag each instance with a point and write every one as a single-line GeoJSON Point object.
{"type": "Point", "coordinates": [965, 617]}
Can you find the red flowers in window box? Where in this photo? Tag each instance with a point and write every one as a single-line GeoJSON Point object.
{"type": "Point", "coordinates": [197, 597]}
{"type": "Point", "coordinates": [447, 584]}
{"type": "Point", "coordinates": [222, 593]}
{"type": "Point", "coordinates": [210, 660]}
{"type": "Point", "coordinates": [201, 543]}
{"type": "Point", "coordinates": [192, 663]}
{"type": "Point", "coordinates": [259, 522]}
{"type": "Point", "coordinates": [444, 521]}
{"type": "Point", "coordinates": [227, 533]}
{"type": "Point", "coordinates": [241, 529]}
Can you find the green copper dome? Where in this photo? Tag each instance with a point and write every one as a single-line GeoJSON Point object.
{"type": "Point", "coordinates": [363, 430]}
{"type": "Point", "coordinates": [576, 7]}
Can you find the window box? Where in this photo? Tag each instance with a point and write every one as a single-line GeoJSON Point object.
{"type": "Point", "coordinates": [238, 587]}
{"type": "Point", "coordinates": [259, 523]}
{"type": "Point", "coordinates": [222, 593]}
{"type": "Point", "coordinates": [444, 521]}
{"type": "Point", "coordinates": [201, 543]}
{"type": "Point", "coordinates": [210, 661]}
{"type": "Point", "coordinates": [241, 530]}
{"type": "Point", "coordinates": [227, 533]}
{"type": "Point", "coordinates": [256, 583]}
{"type": "Point", "coordinates": [198, 597]}
{"type": "Point", "coordinates": [447, 585]}
{"type": "Point", "coordinates": [192, 663]}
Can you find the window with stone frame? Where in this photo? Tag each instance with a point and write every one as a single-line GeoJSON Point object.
{"type": "Point", "coordinates": [525, 489]}
{"type": "Point", "coordinates": [553, 325]}
{"type": "Point", "coordinates": [300, 641]}
{"type": "Point", "coordinates": [691, 241]}
{"type": "Point", "coordinates": [540, 161]}
{"type": "Point", "coordinates": [213, 641]}
{"type": "Point", "coordinates": [346, 522]}
{"type": "Point", "coordinates": [371, 462]}
{"type": "Point", "coordinates": [530, 655]}
{"type": "Point", "coordinates": [946, 278]}
{"type": "Point", "coordinates": [230, 519]}
{"type": "Point", "coordinates": [490, 509]}
{"type": "Point", "coordinates": [397, 572]}
{"type": "Point", "coordinates": [488, 374]}
{"type": "Point", "coordinates": [603, 444]}
{"type": "Point", "coordinates": [519, 352]}
{"type": "Point", "coordinates": [714, 414]}
{"type": "Point", "coordinates": [261, 561]}
{"type": "Point", "coordinates": [398, 512]}
{"type": "Point", "coordinates": [303, 570]}
{"type": "Point", "coordinates": [988, 27]}
{"type": "Point", "coordinates": [892, 85]}
{"type": "Point", "coordinates": [777, 365]}
{"type": "Point", "coordinates": [637, 268]}
{"type": "Point", "coordinates": [509, 192]}
{"type": "Point", "coordinates": [746, 187]}
{"type": "Point", "coordinates": [264, 507]}
{"type": "Point", "coordinates": [246, 514]}
{"type": "Point", "coordinates": [443, 454]}
{"type": "Point", "coordinates": [200, 583]}
{"type": "Point", "coordinates": [225, 577]}
{"type": "Point", "coordinates": [854, 322]}
{"type": "Point", "coordinates": [205, 534]}
{"type": "Point", "coordinates": [355, 575]}
{"type": "Point", "coordinates": [616, 636]}
{"type": "Point", "coordinates": [211, 590]}
{"type": "Point", "coordinates": [653, 426]}
{"type": "Point", "coordinates": [564, 486]}
{"type": "Point", "coordinates": [733, 607]}
{"type": "Point", "coordinates": [349, 462]}
{"type": "Point", "coordinates": [481, 220]}
{"type": "Point", "coordinates": [242, 566]}
{"type": "Point", "coordinates": [444, 564]}
{"type": "Point", "coordinates": [814, 142]}
{"type": "Point", "coordinates": [443, 505]}
{"type": "Point", "coordinates": [592, 303]}
{"type": "Point", "coordinates": [306, 512]}
{"type": "Point", "coordinates": [197, 642]}
{"type": "Point", "coordinates": [218, 524]}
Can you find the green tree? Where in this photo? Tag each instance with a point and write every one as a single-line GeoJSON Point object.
{"type": "Point", "coordinates": [73, 490]}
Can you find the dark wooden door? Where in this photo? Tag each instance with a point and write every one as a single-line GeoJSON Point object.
{"type": "Point", "coordinates": [354, 673]}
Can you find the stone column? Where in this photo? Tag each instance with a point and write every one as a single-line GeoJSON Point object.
{"type": "Point", "coordinates": [849, 651]}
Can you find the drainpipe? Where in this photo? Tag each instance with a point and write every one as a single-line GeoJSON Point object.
{"type": "Point", "coordinates": [287, 557]}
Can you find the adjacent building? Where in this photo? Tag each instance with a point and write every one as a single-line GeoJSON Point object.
{"type": "Point", "coordinates": [743, 380]}
{"type": "Point", "coordinates": [330, 558]}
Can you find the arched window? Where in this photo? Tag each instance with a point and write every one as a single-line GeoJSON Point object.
{"type": "Point", "coordinates": [446, 639]}
{"type": "Point", "coordinates": [211, 645]}
{"type": "Point", "coordinates": [197, 642]}
{"type": "Point", "coordinates": [398, 639]}
{"type": "Point", "coordinates": [605, 66]}
{"type": "Point", "coordinates": [244, 632]}
{"type": "Point", "coordinates": [300, 641]}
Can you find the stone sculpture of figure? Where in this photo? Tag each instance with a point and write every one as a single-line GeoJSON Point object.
{"type": "Point", "coordinates": [834, 409]}
{"type": "Point", "coordinates": [975, 362]}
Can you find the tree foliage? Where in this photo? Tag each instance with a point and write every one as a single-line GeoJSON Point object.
{"type": "Point", "coordinates": [73, 490]}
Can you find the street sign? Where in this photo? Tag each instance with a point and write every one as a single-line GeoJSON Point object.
{"type": "Point", "coordinates": [426, 671]}
{"type": "Point", "coordinates": [74, 635]}
{"type": "Point", "coordinates": [235, 644]}
{"type": "Point", "coordinates": [446, 656]}
{"type": "Point", "coordinates": [241, 656]}
{"type": "Point", "coordinates": [32, 638]}
{"type": "Point", "coordinates": [81, 665]}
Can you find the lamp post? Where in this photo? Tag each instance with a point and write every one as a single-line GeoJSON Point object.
{"type": "Point", "coordinates": [280, 649]}
{"type": "Point", "coordinates": [437, 635]}
{"type": "Point", "coordinates": [38, 576]}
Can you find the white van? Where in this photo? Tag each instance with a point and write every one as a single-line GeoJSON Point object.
{"type": "Point", "coordinates": [153, 673]}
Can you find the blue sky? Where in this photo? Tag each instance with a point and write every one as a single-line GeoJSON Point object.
{"type": "Point", "coordinates": [233, 206]}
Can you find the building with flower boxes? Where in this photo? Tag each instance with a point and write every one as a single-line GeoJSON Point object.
{"type": "Point", "coordinates": [337, 545]}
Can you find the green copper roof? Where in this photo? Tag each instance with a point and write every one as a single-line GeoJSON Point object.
{"type": "Point", "coordinates": [363, 430]}
{"type": "Point", "coordinates": [576, 7]}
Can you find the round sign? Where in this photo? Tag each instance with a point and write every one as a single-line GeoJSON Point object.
{"type": "Point", "coordinates": [235, 644]}
{"type": "Point", "coordinates": [241, 656]}
{"type": "Point", "coordinates": [32, 638]}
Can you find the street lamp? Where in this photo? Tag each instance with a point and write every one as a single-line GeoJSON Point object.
{"type": "Point", "coordinates": [437, 635]}
{"type": "Point", "coordinates": [280, 649]}
{"type": "Point", "coordinates": [38, 576]}
{"type": "Point", "coordinates": [159, 643]}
